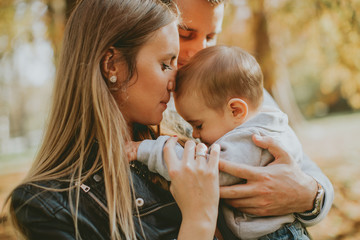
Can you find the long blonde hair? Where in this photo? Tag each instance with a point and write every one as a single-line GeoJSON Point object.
{"type": "Point", "coordinates": [84, 110]}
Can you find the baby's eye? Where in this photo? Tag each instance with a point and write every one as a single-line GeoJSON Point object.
{"type": "Point", "coordinates": [198, 127]}
{"type": "Point", "coordinates": [165, 67]}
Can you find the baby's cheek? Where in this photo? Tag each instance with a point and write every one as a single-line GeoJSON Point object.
{"type": "Point", "coordinates": [213, 136]}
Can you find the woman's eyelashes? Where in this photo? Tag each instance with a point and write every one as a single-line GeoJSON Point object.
{"type": "Point", "coordinates": [166, 67]}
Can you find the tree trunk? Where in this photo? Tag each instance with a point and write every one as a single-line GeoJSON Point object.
{"type": "Point", "coordinates": [276, 79]}
{"type": "Point", "coordinates": [263, 49]}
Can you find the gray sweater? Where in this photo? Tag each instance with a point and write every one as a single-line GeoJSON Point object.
{"type": "Point", "coordinates": [237, 146]}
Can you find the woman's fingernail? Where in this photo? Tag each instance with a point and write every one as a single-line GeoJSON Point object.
{"type": "Point", "coordinates": [174, 135]}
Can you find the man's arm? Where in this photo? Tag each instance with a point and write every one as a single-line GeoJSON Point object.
{"type": "Point", "coordinates": [279, 188]}
{"type": "Point", "coordinates": [311, 169]}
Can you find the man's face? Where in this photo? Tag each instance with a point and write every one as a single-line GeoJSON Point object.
{"type": "Point", "coordinates": [201, 25]}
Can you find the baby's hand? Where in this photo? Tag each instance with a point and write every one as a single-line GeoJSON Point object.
{"type": "Point", "coordinates": [131, 150]}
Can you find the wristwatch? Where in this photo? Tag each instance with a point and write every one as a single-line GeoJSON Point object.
{"type": "Point", "coordinates": [318, 202]}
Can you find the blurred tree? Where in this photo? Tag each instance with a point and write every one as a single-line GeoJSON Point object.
{"type": "Point", "coordinates": [7, 11]}
{"type": "Point", "coordinates": [319, 41]}
{"type": "Point", "coordinates": [57, 14]}
{"type": "Point", "coordinates": [11, 34]}
{"type": "Point", "coordinates": [20, 35]}
{"type": "Point", "coordinates": [55, 21]}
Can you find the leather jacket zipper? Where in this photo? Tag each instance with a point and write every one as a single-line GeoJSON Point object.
{"type": "Point", "coordinates": [86, 189]}
{"type": "Point", "coordinates": [156, 209]}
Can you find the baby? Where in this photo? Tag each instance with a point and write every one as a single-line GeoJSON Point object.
{"type": "Point", "coordinates": [220, 93]}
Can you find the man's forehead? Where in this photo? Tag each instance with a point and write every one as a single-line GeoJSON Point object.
{"type": "Point", "coordinates": [197, 14]}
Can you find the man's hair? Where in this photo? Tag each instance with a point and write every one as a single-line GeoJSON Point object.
{"type": "Point", "coordinates": [216, 2]}
{"type": "Point", "coordinates": [212, 2]}
{"type": "Point", "coordinates": [219, 73]}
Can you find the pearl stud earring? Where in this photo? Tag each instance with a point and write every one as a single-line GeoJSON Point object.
{"type": "Point", "coordinates": [113, 79]}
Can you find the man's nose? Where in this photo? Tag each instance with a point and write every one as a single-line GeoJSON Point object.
{"type": "Point", "coordinates": [197, 45]}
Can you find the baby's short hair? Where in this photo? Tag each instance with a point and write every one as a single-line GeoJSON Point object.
{"type": "Point", "coordinates": [220, 73]}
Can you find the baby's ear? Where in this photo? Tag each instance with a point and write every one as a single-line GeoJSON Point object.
{"type": "Point", "coordinates": [238, 109]}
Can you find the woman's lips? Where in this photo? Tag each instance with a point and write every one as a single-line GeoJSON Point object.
{"type": "Point", "coordinates": [164, 105]}
{"type": "Point", "coordinates": [164, 102]}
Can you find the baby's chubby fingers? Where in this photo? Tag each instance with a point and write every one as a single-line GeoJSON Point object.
{"type": "Point", "coordinates": [170, 157]}
{"type": "Point", "coordinates": [131, 149]}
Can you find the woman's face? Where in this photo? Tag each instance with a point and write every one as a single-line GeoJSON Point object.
{"type": "Point", "coordinates": [149, 89]}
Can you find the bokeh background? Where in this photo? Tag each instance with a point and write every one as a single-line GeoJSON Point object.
{"type": "Point", "coordinates": [309, 51]}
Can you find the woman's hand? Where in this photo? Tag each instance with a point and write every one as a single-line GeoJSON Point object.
{"type": "Point", "coordinates": [195, 187]}
{"type": "Point", "coordinates": [277, 189]}
{"type": "Point", "coordinates": [131, 149]}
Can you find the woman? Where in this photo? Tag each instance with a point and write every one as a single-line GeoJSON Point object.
{"type": "Point", "coordinates": [114, 78]}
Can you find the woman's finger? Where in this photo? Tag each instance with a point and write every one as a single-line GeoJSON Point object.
{"type": "Point", "coordinates": [201, 155]}
{"type": "Point", "coordinates": [189, 151]}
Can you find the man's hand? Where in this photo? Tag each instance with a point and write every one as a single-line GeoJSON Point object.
{"type": "Point", "coordinates": [277, 189]}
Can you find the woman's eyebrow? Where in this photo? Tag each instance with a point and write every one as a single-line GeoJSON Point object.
{"type": "Point", "coordinates": [169, 55]}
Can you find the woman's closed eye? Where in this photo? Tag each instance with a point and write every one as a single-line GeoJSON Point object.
{"type": "Point", "coordinates": [165, 67]}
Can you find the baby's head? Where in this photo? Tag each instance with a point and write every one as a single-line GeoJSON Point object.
{"type": "Point", "coordinates": [217, 90]}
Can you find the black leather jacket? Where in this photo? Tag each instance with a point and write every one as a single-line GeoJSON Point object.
{"type": "Point", "coordinates": [46, 214]}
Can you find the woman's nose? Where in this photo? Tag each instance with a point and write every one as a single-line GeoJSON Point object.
{"type": "Point", "coordinates": [171, 82]}
{"type": "Point", "coordinates": [171, 85]}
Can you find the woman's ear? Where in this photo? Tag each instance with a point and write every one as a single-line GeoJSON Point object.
{"type": "Point", "coordinates": [238, 109]}
{"type": "Point", "coordinates": [108, 64]}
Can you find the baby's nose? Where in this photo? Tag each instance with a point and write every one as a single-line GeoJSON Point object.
{"type": "Point", "coordinates": [196, 134]}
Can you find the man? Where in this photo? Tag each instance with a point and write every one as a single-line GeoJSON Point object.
{"type": "Point", "coordinates": [279, 188]}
